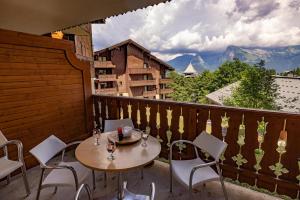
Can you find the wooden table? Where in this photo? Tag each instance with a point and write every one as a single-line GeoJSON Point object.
{"type": "Point", "coordinates": [126, 156]}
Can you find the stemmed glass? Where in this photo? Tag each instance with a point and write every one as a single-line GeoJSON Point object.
{"type": "Point", "coordinates": [96, 136]}
{"type": "Point", "coordinates": [145, 136]}
{"type": "Point", "coordinates": [111, 147]}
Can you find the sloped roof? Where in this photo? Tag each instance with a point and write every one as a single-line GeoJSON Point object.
{"type": "Point", "coordinates": [288, 99]}
{"type": "Point", "coordinates": [130, 41]}
{"type": "Point", "coordinates": [41, 17]}
{"type": "Point", "coordinates": [190, 69]}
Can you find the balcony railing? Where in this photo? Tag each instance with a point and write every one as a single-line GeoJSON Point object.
{"type": "Point", "coordinates": [166, 91]}
{"type": "Point", "coordinates": [151, 93]}
{"type": "Point", "coordinates": [258, 154]}
{"type": "Point", "coordinates": [140, 70]}
{"type": "Point", "coordinates": [106, 77]}
{"type": "Point", "coordinates": [137, 83]}
{"type": "Point", "coordinates": [165, 81]}
{"type": "Point", "coordinates": [103, 64]}
{"type": "Point", "coordinates": [107, 91]}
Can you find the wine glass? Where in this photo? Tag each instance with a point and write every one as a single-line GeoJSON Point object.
{"type": "Point", "coordinates": [145, 136]}
{"type": "Point", "coordinates": [111, 147]}
{"type": "Point", "coordinates": [95, 136]}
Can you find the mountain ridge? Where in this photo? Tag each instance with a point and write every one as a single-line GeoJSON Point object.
{"type": "Point", "coordinates": [279, 58]}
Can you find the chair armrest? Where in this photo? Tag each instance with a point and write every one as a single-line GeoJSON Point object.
{"type": "Point", "coordinates": [68, 145]}
{"type": "Point", "coordinates": [19, 145]}
{"type": "Point", "coordinates": [181, 141]}
{"type": "Point", "coordinates": [195, 168]}
{"type": "Point", "coordinates": [63, 167]}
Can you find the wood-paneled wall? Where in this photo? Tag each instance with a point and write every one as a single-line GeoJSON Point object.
{"type": "Point", "coordinates": [44, 89]}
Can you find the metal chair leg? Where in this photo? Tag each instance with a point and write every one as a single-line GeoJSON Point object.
{"type": "Point", "coordinates": [94, 180]}
{"type": "Point", "coordinates": [142, 173]}
{"type": "Point", "coordinates": [171, 179]}
{"type": "Point", "coordinates": [105, 179]}
{"type": "Point", "coordinates": [8, 179]}
{"type": "Point", "coordinates": [222, 182]}
{"type": "Point", "coordinates": [25, 180]}
{"type": "Point", "coordinates": [55, 190]}
{"type": "Point", "coordinates": [40, 185]}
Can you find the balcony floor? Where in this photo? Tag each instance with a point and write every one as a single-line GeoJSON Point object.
{"type": "Point", "coordinates": [157, 173]}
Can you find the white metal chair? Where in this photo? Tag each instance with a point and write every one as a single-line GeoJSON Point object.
{"type": "Point", "coordinates": [131, 196]}
{"type": "Point", "coordinates": [112, 125]}
{"type": "Point", "coordinates": [63, 173]}
{"type": "Point", "coordinates": [8, 166]}
{"type": "Point", "coordinates": [88, 191]}
{"type": "Point", "coordinates": [192, 173]}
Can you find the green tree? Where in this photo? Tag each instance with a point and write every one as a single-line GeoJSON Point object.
{"type": "Point", "coordinates": [256, 89]}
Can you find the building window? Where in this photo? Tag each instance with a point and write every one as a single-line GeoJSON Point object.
{"type": "Point", "coordinates": [146, 65]}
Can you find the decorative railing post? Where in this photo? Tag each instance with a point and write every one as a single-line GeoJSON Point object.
{"type": "Point", "coordinates": [224, 126]}
{"type": "Point", "coordinates": [208, 128]}
{"type": "Point", "coordinates": [239, 158]}
{"type": "Point", "coordinates": [158, 124]}
{"type": "Point", "coordinates": [169, 132]}
{"type": "Point", "coordinates": [181, 145]}
{"type": "Point", "coordinates": [121, 112]}
{"type": "Point", "coordinates": [259, 152]}
{"type": "Point", "coordinates": [129, 109]}
{"type": "Point", "coordinates": [138, 116]}
{"type": "Point", "coordinates": [106, 109]}
{"type": "Point", "coordinates": [148, 129]}
{"type": "Point", "coordinates": [281, 144]}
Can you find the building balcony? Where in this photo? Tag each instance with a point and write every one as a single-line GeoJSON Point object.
{"type": "Point", "coordinates": [151, 93]}
{"type": "Point", "coordinates": [106, 91]}
{"type": "Point", "coordinates": [165, 91]}
{"type": "Point", "coordinates": [106, 77]}
{"type": "Point", "coordinates": [165, 81]}
{"type": "Point", "coordinates": [139, 70]}
{"type": "Point", "coordinates": [138, 83]}
{"type": "Point", "coordinates": [103, 64]}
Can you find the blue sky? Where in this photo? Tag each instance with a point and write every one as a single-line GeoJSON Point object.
{"type": "Point", "coordinates": [189, 26]}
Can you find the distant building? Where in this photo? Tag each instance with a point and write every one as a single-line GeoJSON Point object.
{"type": "Point", "coordinates": [190, 71]}
{"type": "Point", "coordinates": [288, 99]}
{"type": "Point", "coordinates": [128, 69]}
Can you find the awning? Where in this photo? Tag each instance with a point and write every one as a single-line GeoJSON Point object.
{"type": "Point", "coordinates": [44, 16]}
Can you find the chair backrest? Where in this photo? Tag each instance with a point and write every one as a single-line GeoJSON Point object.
{"type": "Point", "coordinates": [209, 143]}
{"type": "Point", "coordinates": [47, 149]}
{"type": "Point", "coordinates": [88, 190]}
{"type": "Point", "coordinates": [3, 139]}
{"type": "Point", "coordinates": [112, 125]}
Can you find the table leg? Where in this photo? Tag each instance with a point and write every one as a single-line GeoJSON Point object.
{"type": "Point", "coordinates": [120, 186]}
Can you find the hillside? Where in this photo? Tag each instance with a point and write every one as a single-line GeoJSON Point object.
{"type": "Point", "coordinates": [278, 58]}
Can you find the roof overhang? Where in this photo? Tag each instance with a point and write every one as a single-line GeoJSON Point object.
{"type": "Point", "coordinates": [40, 17]}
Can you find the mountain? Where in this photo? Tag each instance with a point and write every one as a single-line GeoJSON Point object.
{"type": "Point", "coordinates": [278, 58]}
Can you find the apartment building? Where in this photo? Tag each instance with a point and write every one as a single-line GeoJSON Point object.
{"type": "Point", "coordinates": [128, 69]}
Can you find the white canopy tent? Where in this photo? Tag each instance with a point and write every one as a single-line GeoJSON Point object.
{"type": "Point", "coordinates": [44, 16]}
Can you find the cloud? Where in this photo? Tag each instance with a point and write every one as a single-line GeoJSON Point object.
{"type": "Point", "coordinates": [190, 26]}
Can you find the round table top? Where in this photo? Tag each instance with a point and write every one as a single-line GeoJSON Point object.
{"type": "Point", "coordinates": [126, 156]}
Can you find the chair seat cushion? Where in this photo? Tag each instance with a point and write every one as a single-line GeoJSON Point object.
{"type": "Point", "coordinates": [8, 166]}
{"type": "Point", "coordinates": [65, 177]}
{"type": "Point", "coordinates": [183, 168]}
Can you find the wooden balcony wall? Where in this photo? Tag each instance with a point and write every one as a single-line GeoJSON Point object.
{"type": "Point", "coordinates": [166, 91]}
{"type": "Point", "coordinates": [165, 81]}
{"type": "Point", "coordinates": [140, 70]}
{"type": "Point", "coordinates": [137, 83]}
{"type": "Point", "coordinates": [195, 116]}
{"type": "Point", "coordinates": [151, 93]}
{"type": "Point", "coordinates": [106, 77]}
{"type": "Point", "coordinates": [103, 64]}
{"type": "Point", "coordinates": [44, 89]}
{"type": "Point", "coordinates": [107, 91]}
